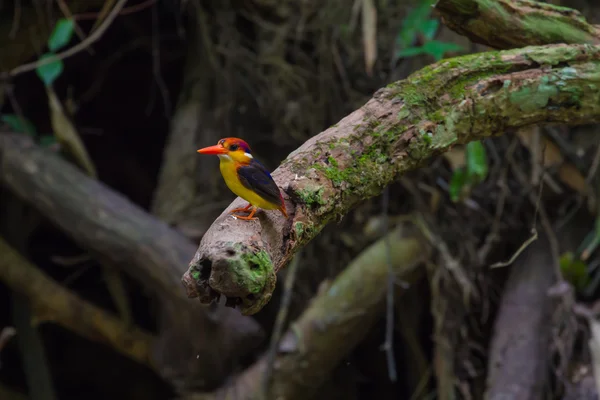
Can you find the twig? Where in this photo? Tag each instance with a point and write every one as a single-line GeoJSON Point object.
{"type": "Point", "coordinates": [281, 318]}
{"type": "Point", "coordinates": [88, 41]}
{"type": "Point", "coordinates": [127, 10]}
{"type": "Point", "coordinates": [33, 355]}
{"type": "Point", "coordinates": [521, 249]}
{"type": "Point", "coordinates": [67, 13]}
{"type": "Point", "coordinates": [594, 166]}
{"type": "Point", "coordinates": [16, 19]}
{"type": "Point", "coordinates": [54, 303]}
{"type": "Point", "coordinates": [156, 70]}
{"type": "Point", "coordinates": [388, 345]}
{"type": "Point", "coordinates": [537, 204]}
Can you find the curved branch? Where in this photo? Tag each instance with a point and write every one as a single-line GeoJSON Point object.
{"type": "Point", "coordinates": [338, 318]}
{"type": "Point", "coordinates": [452, 102]}
{"type": "Point", "coordinates": [506, 24]}
{"type": "Point", "coordinates": [54, 303]}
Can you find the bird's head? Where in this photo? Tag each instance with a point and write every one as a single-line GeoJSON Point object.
{"type": "Point", "coordinates": [230, 148]}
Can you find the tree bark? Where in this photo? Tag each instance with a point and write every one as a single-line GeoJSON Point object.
{"type": "Point", "coordinates": [54, 303]}
{"type": "Point", "coordinates": [506, 24]}
{"type": "Point", "coordinates": [405, 124]}
{"type": "Point", "coordinates": [195, 341]}
{"type": "Point", "coordinates": [519, 351]}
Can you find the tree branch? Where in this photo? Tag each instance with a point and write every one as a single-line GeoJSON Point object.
{"type": "Point", "coordinates": [337, 320]}
{"type": "Point", "coordinates": [452, 102]}
{"type": "Point", "coordinates": [118, 231]}
{"type": "Point", "coordinates": [52, 302]}
{"type": "Point", "coordinates": [507, 24]}
{"type": "Point", "coordinates": [519, 349]}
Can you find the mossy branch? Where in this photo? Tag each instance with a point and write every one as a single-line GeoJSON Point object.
{"type": "Point", "coordinates": [454, 101]}
{"type": "Point", "coordinates": [507, 24]}
{"type": "Point", "coordinates": [338, 318]}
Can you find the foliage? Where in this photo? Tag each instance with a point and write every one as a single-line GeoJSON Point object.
{"type": "Point", "coordinates": [417, 22]}
{"type": "Point", "coordinates": [18, 124]}
{"type": "Point", "coordinates": [475, 172]}
{"type": "Point", "coordinates": [51, 66]}
{"type": "Point", "coordinates": [61, 35]}
{"type": "Point", "coordinates": [574, 270]}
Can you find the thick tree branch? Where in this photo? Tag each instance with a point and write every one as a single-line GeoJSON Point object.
{"type": "Point", "coordinates": [193, 338]}
{"type": "Point", "coordinates": [337, 320]}
{"type": "Point", "coordinates": [507, 24]}
{"type": "Point", "coordinates": [95, 216]}
{"type": "Point", "coordinates": [52, 302]}
{"type": "Point", "coordinates": [452, 102]}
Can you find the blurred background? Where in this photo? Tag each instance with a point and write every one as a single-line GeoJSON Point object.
{"type": "Point", "coordinates": [143, 84]}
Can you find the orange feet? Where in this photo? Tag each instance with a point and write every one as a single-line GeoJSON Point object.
{"type": "Point", "coordinates": [241, 209]}
{"type": "Point", "coordinates": [250, 217]}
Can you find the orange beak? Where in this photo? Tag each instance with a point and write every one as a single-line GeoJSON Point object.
{"type": "Point", "coordinates": [216, 149]}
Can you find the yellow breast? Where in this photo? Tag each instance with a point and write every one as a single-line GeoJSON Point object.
{"type": "Point", "coordinates": [228, 169]}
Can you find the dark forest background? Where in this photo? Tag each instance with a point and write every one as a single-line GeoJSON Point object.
{"type": "Point", "coordinates": [166, 77]}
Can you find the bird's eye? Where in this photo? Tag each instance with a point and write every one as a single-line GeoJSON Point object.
{"type": "Point", "coordinates": [233, 147]}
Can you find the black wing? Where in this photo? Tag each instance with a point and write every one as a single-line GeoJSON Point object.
{"type": "Point", "coordinates": [256, 177]}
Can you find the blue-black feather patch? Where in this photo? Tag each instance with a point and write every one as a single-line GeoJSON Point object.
{"type": "Point", "coordinates": [257, 178]}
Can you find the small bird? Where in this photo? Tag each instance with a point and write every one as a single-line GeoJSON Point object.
{"type": "Point", "coordinates": [246, 177]}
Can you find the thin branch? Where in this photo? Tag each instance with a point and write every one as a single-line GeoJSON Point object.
{"type": "Point", "coordinates": [88, 41]}
{"type": "Point", "coordinates": [52, 302]}
{"type": "Point", "coordinates": [454, 101]}
{"type": "Point", "coordinates": [282, 314]}
{"type": "Point", "coordinates": [388, 344]}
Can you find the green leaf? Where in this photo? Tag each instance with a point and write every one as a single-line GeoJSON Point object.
{"type": "Point", "coordinates": [437, 49]}
{"type": "Point", "coordinates": [477, 165]}
{"type": "Point", "coordinates": [411, 52]}
{"type": "Point", "coordinates": [62, 34]}
{"type": "Point", "coordinates": [458, 184]}
{"type": "Point", "coordinates": [413, 22]}
{"type": "Point", "coordinates": [19, 125]}
{"type": "Point", "coordinates": [434, 48]}
{"type": "Point", "coordinates": [429, 28]}
{"type": "Point", "coordinates": [574, 270]}
{"type": "Point", "coordinates": [50, 71]}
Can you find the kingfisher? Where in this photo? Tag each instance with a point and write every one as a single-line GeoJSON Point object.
{"type": "Point", "coordinates": [246, 177]}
